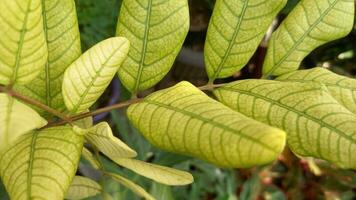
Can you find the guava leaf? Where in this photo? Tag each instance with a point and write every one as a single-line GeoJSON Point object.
{"type": "Point", "coordinates": [87, 78]}
{"type": "Point", "coordinates": [315, 123]}
{"type": "Point", "coordinates": [82, 188]}
{"type": "Point", "coordinates": [342, 88]}
{"type": "Point", "coordinates": [182, 119]}
{"type": "Point", "coordinates": [23, 49]}
{"type": "Point", "coordinates": [41, 164]}
{"type": "Point", "coordinates": [310, 24]}
{"type": "Point", "coordinates": [235, 31]}
{"type": "Point", "coordinates": [16, 119]}
{"type": "Point", "coordinates": [156, 30]}
{"type": "Point", "coordinates": [87, 155]}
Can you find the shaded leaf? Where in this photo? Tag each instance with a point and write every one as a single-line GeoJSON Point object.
{"type": "Point", "coordinates": [90, 158]}
{"type": "Point", "coordinates": [82, 188]}
{"type": "Point", "coordinates": [183, 119]}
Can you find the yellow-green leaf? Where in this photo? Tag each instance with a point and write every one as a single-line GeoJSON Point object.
{"type": "Point", "coordinates": [23, 49]}
{"type": "Point", "coordinates": [63, 42]}
{"type": "Point", "coordinates": [311, 24]}
{"type": "Point", "coordinates": [184, 120]}
{"type": "Point", "coordinates": [16, 119]}
{"type": "Point", "coordinates": [342, 88]}
{"type": "Point", "coordinates": [82, 188]}
{"type": "Point", "coordinates": [132, 186]}
{"type": "Point", "coordinates": [90, 158]}
{"type": "Point", "coordinates": [161, 174]}
{"type": "Point", "coordinates": [102, 137]}
{"type": "Point", "coordinates": [41, 164]}
{"type": "Point", "coordinates": [316, 124]}
{"type": "Point", "coordinates": [235, 31]}
{"type": "Point", "coordinates": [87, 78]}
{"type": "Point", "coordinates": [156, 30]}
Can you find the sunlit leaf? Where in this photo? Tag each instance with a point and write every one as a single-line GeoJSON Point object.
{"type": "Point", "coordinates": [235, 31]}
{"type": "Point", "coordinates": [310, 24]}
{"type": "Point", "coordinates": [16, 119]}
{"type": "Point", "coordinates": [41, 164]}
{"type": "Point", "coordinates": [156, 30]}
{"type": "Point", "coordinates": [23, 49]}
{"type": "Point", "coordinates": [87, 78]}
{"type": "Point", "coordinates": [316, 124]}
{"type": "Point", "coordinates": [183, 119]}
{"type": "Point", "coordinates": [82, 188]}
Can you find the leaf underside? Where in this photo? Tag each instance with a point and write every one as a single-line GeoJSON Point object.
{"type": "Point", "coordinates": [82, 188]}
{"type": "Point", "coordinates": [184, 120]}
{"type": "Point", "coordinates": [316, 124]}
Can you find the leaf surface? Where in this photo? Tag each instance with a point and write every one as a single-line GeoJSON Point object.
{"type": "Point", "coordinates": [41, 164]}
{"type": "Point", "coordinates": [87, 78]}
{"type": "Point", "coordinates": [156, 30]}
{"type": "Point", "coordinates": [182, 119]}
{"type": "Point", "coordinates": [311, 24]}
{"type": "Point", "coordinates": [23, 49]}
{"type": "Point", "coordinates": [82, 188]}
{"type": "Point", "coordinates": [235, 31]}
{"type": "Point", "coordinates": [316, 124]}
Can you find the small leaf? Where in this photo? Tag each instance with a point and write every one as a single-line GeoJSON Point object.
{"type": "Point", "coordinates": [311, 24]}
{"type": "Point", "coordinates": [82, 188]}
{"type": "Point", "coordinates": [182, 119]}
{"type": "Point", "coordinates": [160, 174]}
{"type": "Point", "coordinates": [342, 88]}
{"type": "Point", "coordinates": [316, 124]}
{"type": "Point", "coordinates": [41, 164]}
{"type": "Point", "coordinates": [102, 137]}
{"type": "Point", "coordinates": [235, 31]}
{"type": "Point", "coordinates": [16, 119]}
{"type": "Point", "coordinates": [132, 186]}
{"type": "Point", "coordinates": [90, 158]}
{"type": "Point", "coordinates": [156, 31]}
{"type": "Point", "coordinates": [23, 49]}
{"type": "Point", "coordinates": [87, 78]}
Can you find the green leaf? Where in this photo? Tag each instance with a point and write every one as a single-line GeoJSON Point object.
{"type": "Point", "coordinates": [90, 158]}
{"type": "Point", "coordinates": [87, 78]}
{"type": "Point", "coordinates": [41, 164]}
{"type": "Point", "coordinates": [132, 186]}
{"type": "Point", "coordinates": [23, 49]}
{"type": "Point", "coordinates": [183, 119]}
{"type": "Point", "coordinates": [316, 124]}
{"type": "Point", "coordinates": [235, 31]}
{"type": "Point", "coordinates": [156, 30]}
{"type": "Point", "coordinates": [82, 188]}
{"type": "Point", "coordinates": [342, 88]}
{"type": "Point", "coordinates": [16, 119]}
{"type": "Point", "coordinates": [311, 24]}
{"type": "Point", "coordinates": [63, 42]}
{"type": "Point", "coordinates": [160, 174]}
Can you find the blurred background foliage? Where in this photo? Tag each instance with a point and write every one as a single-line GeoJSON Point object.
{"type": "Point", "coordinates": [287, 178]}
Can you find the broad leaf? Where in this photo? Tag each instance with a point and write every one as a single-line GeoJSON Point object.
{"type": "Point", "coordinates": [311, 24]}
{"type": "Point", "coordinates": [16, 119]}
{"type": "Point", "coordinates": [316, 124]}
{"type": "Point", "coordinates": [63, 42]}
{"type": "Point", "coordinates": [102, 137]}
{"type": "Point", "coordinates": [41, 164]}
{"type": "Point", "coordinates": [82, 188]}
{"type": "Point", "coordinates": [132, 186]}
{"type": "Point", "coordinates": [235, 31]}
{"type": "Point", "coordinates": [156, 30]}
{"type": "Point", "coordinates": [161, 174]}
{"type": "Point", "coordinates": [184, 120]}
{"type": "Point", "coordinates": [87, 78]}
{"type": "Point", "coordinates": [23, 49]}
{"type": "Point", "coordinates": [342, 88]}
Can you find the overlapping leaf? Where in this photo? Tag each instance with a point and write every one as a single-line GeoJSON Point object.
{"type": "Point", "coordinates": [16, 119]}
{"type": "Point", "coordinates": [316, 124]}
{"type": "Point", "coordinates": [310, 24]}
{"type": "Point", "coordinates": [342, 88]}
{"type": "Point", "coordinates": [23, 49]}
{"type": "Point", "coordinates": [90, 158]}
{"type": "Point", "coordinates": [156, 30]}
{"type": "Point", "coordinates": [87, 78]}
{"type": "Point", "coordinates": [184, 120]}
{"type": "Point", "coordinates": [82, 188]}
{"type": "Point", "coordinates": [235, 31]}
{"type": "Point", "coordinates": [41, 164]}
{"type": "Point", "coordinates": [63, 42]}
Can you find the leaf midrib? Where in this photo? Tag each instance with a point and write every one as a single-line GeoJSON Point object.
{"type": "Point", "coordinates": [30, 165]}
{"type": "Point", "coordinates": [47, 67]}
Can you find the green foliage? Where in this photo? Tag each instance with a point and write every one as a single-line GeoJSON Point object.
{"type": "Point", "coordinates": [82, 188]}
